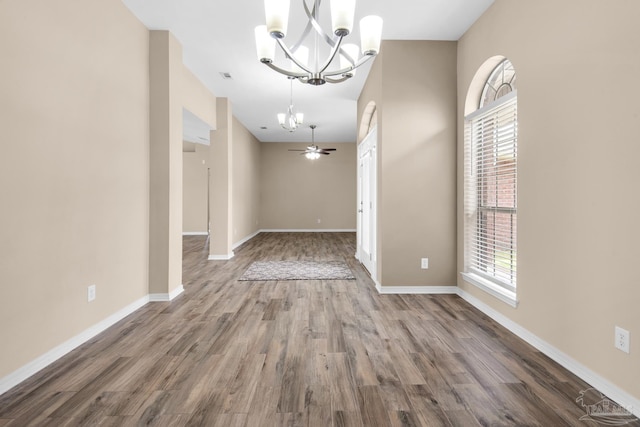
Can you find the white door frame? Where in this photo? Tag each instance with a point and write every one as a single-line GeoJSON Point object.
{"type": "Point", "coordinates": [366, 207]}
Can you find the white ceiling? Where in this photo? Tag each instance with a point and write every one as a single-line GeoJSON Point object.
{"type": "Point", "coordinates": [194, 129]}
{"type": "Point", "coordinates": [217, 36]}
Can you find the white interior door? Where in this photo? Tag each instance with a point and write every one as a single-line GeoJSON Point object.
{"type": "Point", "coordinates": [366, 224]}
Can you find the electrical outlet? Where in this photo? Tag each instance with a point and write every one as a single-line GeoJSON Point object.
{"type": "Point", "coordinates": [319, 220]}
{"type": "Point", "coordinates": [91, 293]}
{"type": "Point", "coordinates": [622, 339]}
{"type": "Point", "coordinates": [424, 263]}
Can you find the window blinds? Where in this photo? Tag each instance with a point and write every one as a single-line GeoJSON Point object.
{"type": "Point", "coordinates": [490, 191]}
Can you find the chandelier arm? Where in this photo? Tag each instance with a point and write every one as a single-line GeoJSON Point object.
{"type": "Point", "coordinates": [307, 28]}
{"type": "Point", "coordinates": [348, 57]}
{"type": "Point", "coordinates": [293, 58]}
{"type": "Point", "coordinates": [342, 79]}
{"type": "Point", "coordinates": [304, 35]}
{"type": "Point", "coordinates": [346, 70]}
{"type": "Point", "coordinates": [316, 25]}
{"type": "Point", "coordinates": [283, 71]}
{"type": "Point", "coordinates": [334, 52]}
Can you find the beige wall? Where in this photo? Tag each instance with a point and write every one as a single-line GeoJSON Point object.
{"type": "Point", "coordinates": [414, 86]}
{"type": "Point", "coordinates": [197, 98]}
{"type": "Point", "coordinates": [578, 176]}
{"type": "Point", "coordinates": [199, 101]}
{"type": "Point", "coordinates": [194, 195]}
{"type": "Point", "coordinates": [295, 192]}
{"type": "Point", "coordinates": [246, 182]}
{"type": "Point", "coordinates": [245, 189]}
{"type": "Point", "coordinates": [74, 170]}
{"type": "Point", "coordinates": [221, 186]}
{"type": "Point", "coordinates": [165, 123]}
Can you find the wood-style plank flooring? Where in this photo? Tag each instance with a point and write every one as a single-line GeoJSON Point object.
{"type": "Point", "coordinates": [298, 353]}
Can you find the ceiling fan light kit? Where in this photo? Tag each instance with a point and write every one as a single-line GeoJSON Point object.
{"type": "Point", "coordinates": [317, 72]}
{"type": "Point", "coordinates": [313, 152]}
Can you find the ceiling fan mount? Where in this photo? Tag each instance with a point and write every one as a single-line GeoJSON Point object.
{"type": "Point", "coordinates": [312, 151]}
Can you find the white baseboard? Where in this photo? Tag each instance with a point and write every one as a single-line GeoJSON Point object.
{"type": "Point", "coordinates": [166, 297]}
{"type": "Point", "coordinates": [245, 240]}
{"type": "Point", "coordinates": [195, 233]}
{"type": "Point", "coordinates": [390, 290]}
{"type": "Point", "coordinates": [308, 230]}
{"type": "Point", "coordinates": [603, 385]}
{"type": "Point", "coordinates": [16, 377]}
{"type": "Point", "coordinates": [226, 257]}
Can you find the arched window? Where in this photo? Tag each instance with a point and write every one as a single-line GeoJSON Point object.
{"type": "Point", "coordinates": [491, 149]}
{"type": "Point", "coordinates": [501, 82]}
{"type": "Point", "coordinates": [369, 120]}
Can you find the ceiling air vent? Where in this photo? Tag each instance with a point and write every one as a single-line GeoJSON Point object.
{"type": "Point", "coordinates": [226, 76]}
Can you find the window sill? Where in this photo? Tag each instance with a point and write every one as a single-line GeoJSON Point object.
{"type": "Point", "coordinates": [491, 288]}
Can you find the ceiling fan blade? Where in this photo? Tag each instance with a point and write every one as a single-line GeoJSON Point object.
{"type": "Point", "coordinates": [292, 149]}
{"type": "Point", "coordinates": [322, 152]}
{"type": "Point", "coordinates": [329, 149]}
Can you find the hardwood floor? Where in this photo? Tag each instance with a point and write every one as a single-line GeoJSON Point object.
{"type": "Point", "coordinates": [298, 353]}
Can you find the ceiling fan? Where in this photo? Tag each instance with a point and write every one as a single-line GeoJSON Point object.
{"type": "Point", "coordinates": [313, 152]}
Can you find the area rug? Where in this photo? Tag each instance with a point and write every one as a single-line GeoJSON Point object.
{"type": "Point", "coordinates": [298, 270]}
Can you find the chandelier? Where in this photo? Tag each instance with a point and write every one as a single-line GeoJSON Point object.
{"type": "Point", "coordinates": [290, 120]}
{"type": "Point", "coordinates": [317, 72]}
